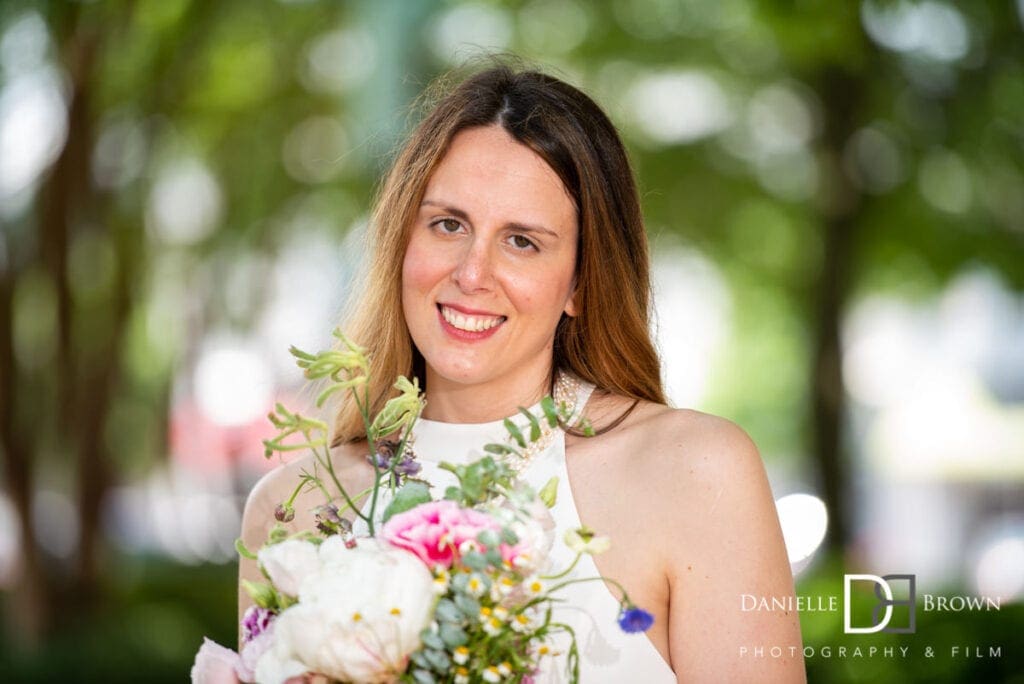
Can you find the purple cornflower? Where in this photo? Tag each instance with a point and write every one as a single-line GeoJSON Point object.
{"type": "Point", "coordinates": [633, 619]}
{"type": "Point", "coordinates": [408, 466]}
{"type": "Point", "coordinates": [255, 621]}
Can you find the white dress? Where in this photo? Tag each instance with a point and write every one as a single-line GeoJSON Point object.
{"type": "Point", "coordinates": [607, 654]}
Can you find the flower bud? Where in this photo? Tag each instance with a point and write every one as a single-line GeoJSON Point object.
{"type": "Point", "coordinates": [284, 513]}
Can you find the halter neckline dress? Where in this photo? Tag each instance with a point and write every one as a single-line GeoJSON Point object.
{"type": "Point", "coordinates": [607, 654]}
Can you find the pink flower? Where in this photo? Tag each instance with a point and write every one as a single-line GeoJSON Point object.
{"type": "Point", "coordinates": [215, 664]}
{"type": "Point", "coordinates": [435, 531]}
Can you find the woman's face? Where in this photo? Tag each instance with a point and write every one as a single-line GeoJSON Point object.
{"type": "Point", "coordinates": [490, 264]}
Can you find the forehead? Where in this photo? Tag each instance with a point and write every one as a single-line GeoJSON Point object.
{"type": "Point", "coordinates": [487, 172]}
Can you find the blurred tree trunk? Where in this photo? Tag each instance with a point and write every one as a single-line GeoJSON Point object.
{"type": "Point", "coordinates": [83, 380]}
{"type": "Point", "coordinates": [29, 605]}
{"type": "Point", "coordinates": [841, 93]}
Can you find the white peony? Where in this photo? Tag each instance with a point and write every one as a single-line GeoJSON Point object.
{"type": "Point", "coordinates": [358, 617]}
{"type": "Point", "coordinates": [289, 563]}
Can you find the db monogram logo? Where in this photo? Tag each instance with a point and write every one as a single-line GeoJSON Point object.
{"type": "Point", "coordinates": [883, 587]}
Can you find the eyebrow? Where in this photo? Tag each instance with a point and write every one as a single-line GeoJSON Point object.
{"type": "Point", "coordinates": [511, 225]}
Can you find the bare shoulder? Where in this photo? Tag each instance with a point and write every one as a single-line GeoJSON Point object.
{"type": "Point", "coordinates": [280, 483]}
{"type": "Point", "coordinates": [666, 439]}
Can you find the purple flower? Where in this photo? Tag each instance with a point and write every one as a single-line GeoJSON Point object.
{"type": "Point", "coordinates": [633, 619]}
{"type": "Point", "coordinates": [408, 466]}
{"type": "Point", "coordinates": [255, 621]}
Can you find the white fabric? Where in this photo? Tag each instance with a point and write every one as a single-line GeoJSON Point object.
{"type": "Point", "coordinates": [607, 654]}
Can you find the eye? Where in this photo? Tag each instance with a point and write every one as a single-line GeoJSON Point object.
{"type": "Point", "coordinates": [522, 242]}
{"type": "Point", "coordinates": [447, 226]}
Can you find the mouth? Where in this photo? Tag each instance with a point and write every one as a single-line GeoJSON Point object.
{"type": "Point", "coordinates": [464, 323]}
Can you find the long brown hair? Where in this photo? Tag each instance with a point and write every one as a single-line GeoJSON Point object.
{"type": "Point", "coordinates": [608, 342]}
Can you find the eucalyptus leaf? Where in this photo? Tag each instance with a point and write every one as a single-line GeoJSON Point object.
{"type": "Point", "coordinates": [534, 424]}
{"type": "Point", "coordinates": [408, 496]}
{"type": "Point", "coordinates": [517, 435]}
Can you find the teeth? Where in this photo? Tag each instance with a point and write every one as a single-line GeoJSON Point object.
{"type": "Point", "coordinates": [469, 323]}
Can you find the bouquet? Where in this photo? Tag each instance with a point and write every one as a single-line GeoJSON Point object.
{"type": "Point", "coordinates": [418, 590]}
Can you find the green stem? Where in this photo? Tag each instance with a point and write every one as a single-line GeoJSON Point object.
{"type": "Point", "coordinates": [625, 597]}
{"type": "Point", "coordinates": [364, 411]}
{"type": "Point", "coordinates": [564, 572]}
{"type": "Point", "coordinates": [325, 460]}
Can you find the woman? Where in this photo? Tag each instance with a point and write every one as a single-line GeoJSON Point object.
{"type": "Point", "coordinates": [510, 257]}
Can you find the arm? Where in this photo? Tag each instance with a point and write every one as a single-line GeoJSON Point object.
{"type": "Point", "coordinates": [257, 519]}
{"type": "Point", "coordinates": [725, 542]}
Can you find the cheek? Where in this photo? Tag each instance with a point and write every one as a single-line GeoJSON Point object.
{"type": "Point", "coordinates": [419, 271]}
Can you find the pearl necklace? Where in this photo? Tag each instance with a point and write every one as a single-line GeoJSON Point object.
{"type": "Point", "coordinates": [565, 395]}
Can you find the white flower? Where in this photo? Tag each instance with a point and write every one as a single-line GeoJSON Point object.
{"type": "Point", "coordinates": [491, 674]}
{"type": "Point", "coordinates": [460, 655]}
{"type": "Point", "coordinates": [522, 623]}
{"type": "Point", "coordinates": [215, 664]}
{"type": "Point", "coordinates": [289, 563]}
{"type": "Point", "coordinates": [475, 585]}
{"type": "Point", "coordinates": [584, 540]}
{"type": "Point", "coordinates": [277, 665]}
{"type": "Point", "coordinates": [441, 582]}
{"type": "Point", "coordinates": [358, 618]}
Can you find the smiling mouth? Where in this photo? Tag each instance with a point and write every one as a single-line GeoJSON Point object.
{"type": "Point", "coordinates": [468, 322]}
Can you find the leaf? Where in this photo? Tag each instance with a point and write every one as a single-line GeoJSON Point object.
{"type": "Point", "coordinates": [499, 449]}
{"type": "Point", "coordinates": [534, 424]}
{"type": "Point", "coordinates": [469, 606]}
{"type": "Point", "coordinates": [547, 405]}
{"type": "Point", "coordinates": [408, 496]}
{"type": "Point", "coordinates": [453, 635]}
{"type": "Point", "coordinates": [488, 538]}
{"type": "Point", "coordinates": [447, 611]}
{"type": "Point", "coordinates": [432, 640]}
{"type": "Point", "coordinates": [472, 484]}
{"type": "Point", "coordinates": [423, 676]}
{"type": "Point", "coordinates": [476, 561]}
{"type": "Point", "coordinates": [515, 432]}
{"type": "Point", "coordinates": [438, 659]}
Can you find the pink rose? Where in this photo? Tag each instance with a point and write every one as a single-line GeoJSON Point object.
{"type": "Point", "coordinates": [215, 664]}
{"type": "Point", "coordinates": [436, 530]}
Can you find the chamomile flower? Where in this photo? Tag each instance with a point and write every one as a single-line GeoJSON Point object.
{"type": "Point", "coordinates": [522, 623]}
{"type": "Point", "coordinates": [461, 656]}
{"type": "Point", "coordinates": [505, 669]}
{"type": "Point", "coordinates": [440, 586]}
{"type": "Point", "coordinates": [461, 675]}
{"type": "Point", "coordinates": [475, 585]}
{"type": "Point", "coordinates": [492, 674]}
{"type": "Point", "coordinates": [493, 626]}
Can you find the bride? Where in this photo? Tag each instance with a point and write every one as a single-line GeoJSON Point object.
{"type": "Point", "coordinates": [510, 262]}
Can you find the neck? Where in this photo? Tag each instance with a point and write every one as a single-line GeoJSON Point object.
{"type": "Point", "coordinates": [449, 401]}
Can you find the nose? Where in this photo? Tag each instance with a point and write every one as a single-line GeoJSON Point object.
{"type": "Point", "coordinates": [474, 271]}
